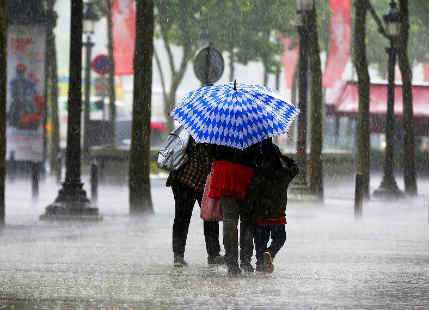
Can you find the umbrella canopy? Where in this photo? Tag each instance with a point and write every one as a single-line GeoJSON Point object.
{"type": "Point", "coordinates": [234, 114]}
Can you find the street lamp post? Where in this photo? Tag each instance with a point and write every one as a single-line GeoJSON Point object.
{"type": "Point", "coordinates": [300, 182]}
{"type": "Point", "coordinates": [71, 202]}
{"type": "Point", "coordinates": [388, 187]}
{"type": "Point", "coordinates": [89, 19]}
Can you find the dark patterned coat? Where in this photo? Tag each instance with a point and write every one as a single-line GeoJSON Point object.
{"type": "Point", "coordinates": [195, 171]}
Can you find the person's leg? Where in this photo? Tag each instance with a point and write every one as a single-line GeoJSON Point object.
{"type": "Point", "coordinates": [184, 203]}
{"type": "Point", "coordinates": [211, 236]}
{"type": "Point", "coordinates": [278, 239]}
{"type": "Point", "coordinates": [246, 243]}
{"type": "Point", "coordinates": [230, 233]}
{"type": "Point", "coordinates": [261, 235]}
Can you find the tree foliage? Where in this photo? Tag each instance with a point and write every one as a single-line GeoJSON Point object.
{"type": "Point", "coordinates": [248, 30]}
{"type": "Point", "coordinates": [418, 34]}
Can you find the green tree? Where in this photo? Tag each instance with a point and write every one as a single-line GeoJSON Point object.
{"type": "Point", "coordinates": [52, 91]}
{"type": "Point", "coordinates": [418, 37]}
{"type": "Point", "coordinates": [410, 181]}
{"type": "Point", "coordinates": [360, 62]}
{"type": "Point", "coordinates": [139, 183]}
{"type": "Point", "coordinates": [259, 26]}
{"type": "Point", "coordinates": [178, 25]}
{"type": "Point", "coordinates": [246, 30]}
{"type": "Point", "coordinates": [3, 89]}
{"type": "Point", "coordinates": [316, 166]}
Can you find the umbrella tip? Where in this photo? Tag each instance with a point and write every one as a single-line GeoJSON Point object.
{"type": "Point", "coordinates": [235, 84]}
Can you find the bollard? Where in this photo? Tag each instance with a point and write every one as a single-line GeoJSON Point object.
{"type": "Point", "coordinates": [59, 167]}
{"type": "Point", "coordinates": [94, 182]}
{"type": "Point", "coordinates": [358, 195]}
{"type": "Point", "coordinates": [35, 173]}
{"type": "Point", "coordinates": [12, 167]}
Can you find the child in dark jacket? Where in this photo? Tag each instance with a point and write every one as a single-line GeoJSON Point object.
{"type": "Point", "coordinates": [266, 200]}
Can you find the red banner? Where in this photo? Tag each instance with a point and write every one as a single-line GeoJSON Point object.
{"type": "Point", "coordinates": [124, 34]}
{"type": "Point", "coordinates": [426, 72]}
{"type": "Point", "coordinates": [289, 60]}
{"type": "Point", "coordinates": [340, 41]}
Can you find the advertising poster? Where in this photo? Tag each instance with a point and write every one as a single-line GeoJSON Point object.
{"type": "Point", "coordinates": [25, 92]}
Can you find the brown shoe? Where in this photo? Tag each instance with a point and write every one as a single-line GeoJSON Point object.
{"type": "Point", "coordinates": [268, 260]}
{"type": "Point", "coordinates": [179, 261]}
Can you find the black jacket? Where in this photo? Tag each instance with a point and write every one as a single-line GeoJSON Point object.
{"type": "Point", "coordinates": [267, 194]}
{"type": "Point", "coordinates": [246, 157]}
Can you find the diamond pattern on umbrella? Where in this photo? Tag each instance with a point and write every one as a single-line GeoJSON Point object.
{"type": "Point", "coordinates": [234, 115]}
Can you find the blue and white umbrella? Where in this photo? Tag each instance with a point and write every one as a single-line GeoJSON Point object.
{"type": "Point", "coordinates": [234, 114]}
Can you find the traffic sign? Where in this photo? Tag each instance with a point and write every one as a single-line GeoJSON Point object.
{"type": "Point", "coordinates": [100, 64]}
{"type": "Point", "coordinates": [208, 65]}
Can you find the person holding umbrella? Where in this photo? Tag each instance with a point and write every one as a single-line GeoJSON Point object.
{"type": "Point", "coordinates": [230, 178]}
{"type": "Point", "coordinates": [234, 118]}
{"type": "Point", "coordinates": [187, 184]}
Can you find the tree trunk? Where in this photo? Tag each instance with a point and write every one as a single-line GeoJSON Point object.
{"type": "Point", "coordinates": [361, 64]}
{"type": "Point", "coordinates": [169, 103]}
{"type": "Point", "coordinates": [139, 169]}
{"type": "Point", "coordinates": [111, 76]}
{"type": "Point", "coordinates": [410, 182]}
{"type": "Point", "coordinates": [53, 89]}
{"type": "Point", "coordinates": [265, 74]}
{"type": "Point", "coordinates": [316, 167]}
{"type": "Point", "coordinates": [278, 71]}
{"type": "Point", "coordinates": [231, 64]}
{"type": "Point", "coordinates": [3, 89]}
{"type": "Point", "coordinates": [291, 134]}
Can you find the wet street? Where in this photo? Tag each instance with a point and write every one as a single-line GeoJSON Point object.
{"type": "Point", "coordinates": [330, 261]}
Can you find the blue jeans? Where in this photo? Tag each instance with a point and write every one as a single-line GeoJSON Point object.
{"type": "Point", "coordinates": [261, 236]}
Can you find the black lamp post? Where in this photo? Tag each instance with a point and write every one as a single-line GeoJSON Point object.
{"type": "Point", "coordinates": [300, 182]}
{"type": "Point", "coordinates": [388, 187]}
{"type": "Point", "coordinates": [71, 202]}
{"type": "Point", "coordinates": [89, 19]}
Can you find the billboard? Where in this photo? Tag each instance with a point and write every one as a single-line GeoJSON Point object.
{"type": "Point", "coordinates": [25, 91]}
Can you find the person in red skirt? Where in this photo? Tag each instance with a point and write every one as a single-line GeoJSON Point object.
{"type": "Point", "coordinates": [231, 174]}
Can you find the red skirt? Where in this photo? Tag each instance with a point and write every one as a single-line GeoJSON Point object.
{"type": "Point", "coordinates": [229, 179]}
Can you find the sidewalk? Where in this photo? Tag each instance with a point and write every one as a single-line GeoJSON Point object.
{"type": "Point", "coordinates": [330, 261]}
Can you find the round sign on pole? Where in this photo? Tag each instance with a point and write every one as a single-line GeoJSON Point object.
{"type": "Point", "coordinates": [208, 65]}
{"type": "Point", "coordinates": [100, 64]}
